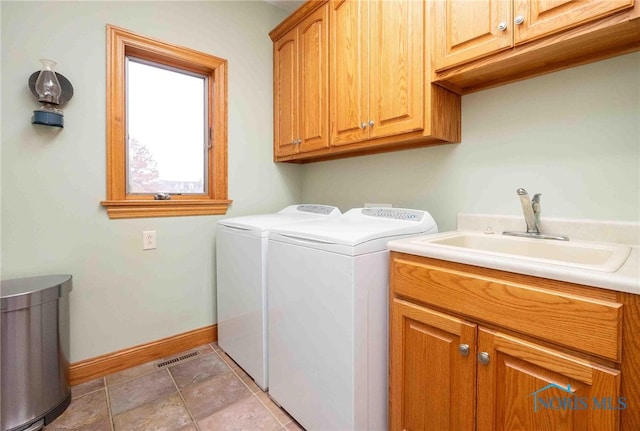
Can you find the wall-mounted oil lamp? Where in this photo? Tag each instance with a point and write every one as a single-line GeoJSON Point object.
{"type": "Point", "coordinates": [52, 90]}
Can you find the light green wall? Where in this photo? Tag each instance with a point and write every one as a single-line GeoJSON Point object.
{"type": "Point", "coordinates": [573, 136]}
{"type": "Point", "coordinates": [53, 180]}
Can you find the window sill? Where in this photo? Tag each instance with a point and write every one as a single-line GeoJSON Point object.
{"type": "Point", "coordinates": [117, 209]}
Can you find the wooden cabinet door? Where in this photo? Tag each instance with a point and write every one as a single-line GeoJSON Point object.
{"type": "Point", "coordinates": [285, 94]}
{"type": "Point", "coordinates": [432, 385]}
{"type": "Point", "coordinates": [349, 79]}
{"type": "Point", "coordinates": [543, 17]}
{"type": "Point", "coordinates": [466, 30]}
{"type": "Point", "coordinates": [313, 78]}
{"type": "Point", "coordinates": [527, 387]}
{"type": "Point", "coordinates": [396, 59]}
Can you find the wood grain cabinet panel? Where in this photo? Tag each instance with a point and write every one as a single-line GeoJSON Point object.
{"type": "Point", "coordinates": [529, 387]}
{"type": "Point", "coordinates": [516, 375]}
{"type": "Point", "coordinates": [313, 58]}
{"type": "Point", "coordinates": [376, 76]}
{"type": "Point", "coordinates": [543, 17]}
{"type": "Point", "coordinates": [467, 30]}
{"type": "Point", "coordinates": [286, 94]}
{"type": "Point", "coordinates": [349, 71]}
{"type": "Point", "coordinates": [377, 69]}
{"type": "Point", "coordinates": [483, 43]}
{"type": "Point", "coordinates": [429, 372]}
{"type": "Point", "coordinates": [301, 66]}
{"type": "Point", "coordinates": [554, 316]}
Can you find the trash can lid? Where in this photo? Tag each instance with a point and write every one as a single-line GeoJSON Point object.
{"type": "Point", "coordinates": [26, 292]}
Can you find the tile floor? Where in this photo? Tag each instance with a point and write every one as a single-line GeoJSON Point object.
{"type": "Point", "coordinates": [208, 392]}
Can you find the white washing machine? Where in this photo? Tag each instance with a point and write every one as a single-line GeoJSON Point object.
{"type": "Point", "coordinates": [241, 258]}
{"type": "Point", "coordinates": [328, 316]}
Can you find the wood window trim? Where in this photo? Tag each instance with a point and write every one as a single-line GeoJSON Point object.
{"type": "Point", "coordinates": [121, 43]}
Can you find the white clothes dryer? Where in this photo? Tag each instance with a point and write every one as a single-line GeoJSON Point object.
{"type": "Point", "coordinates": [241, 258]}
{"type": "Point", "coordinates": [328, 316]}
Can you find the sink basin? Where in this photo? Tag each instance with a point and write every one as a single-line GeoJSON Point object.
{"type": "Point", "coordinates": [586, 255]}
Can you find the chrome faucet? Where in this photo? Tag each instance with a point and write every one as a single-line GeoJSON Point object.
{"type": "Point", "coordinates": [531, 211]}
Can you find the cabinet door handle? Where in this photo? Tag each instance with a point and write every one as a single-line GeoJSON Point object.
{"type": "Point", "coordinates": [464, 349]}
{"type": "Point", "coordinates": [483, 358]}
{"type": "Point", "coordinates": [502, 26]}
{"type": "Point", "coordinates": [372, 123]}
{"type": "Point", "coordinates": [363, 125]}
{"type": "Point", "coordinates": [518, 20]}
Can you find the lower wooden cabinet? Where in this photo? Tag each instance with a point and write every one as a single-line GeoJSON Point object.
{"type": "Point", "coordinates": [444, 370]}
{"type": "Point", "coordinates": [524, 386]}
{"type": "Point", "coordinates": [458, 369]}
{"type": "Point", "coordinates": [429, 375]}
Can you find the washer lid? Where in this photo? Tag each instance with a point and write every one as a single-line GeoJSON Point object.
{"type": "Point", "coordinates": [361, 225]}
{"type": "Point", "coordinates": [289, 215]}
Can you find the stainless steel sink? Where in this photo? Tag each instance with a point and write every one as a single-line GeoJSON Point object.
{"type": "Point", "coordinates": [588, 255]}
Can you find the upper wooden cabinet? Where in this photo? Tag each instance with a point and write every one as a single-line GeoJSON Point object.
{"type": "Point", "coordinates": [349, 71]}
{"type": "Point", "coordinates": [537, 18]}
{"type": "Point", "coordinates": [301, 94]}
{"type": "Point", "coordinates": [480, 27]}
{"type": "Point", "coordinates": [483, 43]}
{"type": "Point", "coordinates": [377, 69]}
{"type": "Point", "coordinates": [466, 30]}
{"type": "Point", "coordinates": [376, 77]}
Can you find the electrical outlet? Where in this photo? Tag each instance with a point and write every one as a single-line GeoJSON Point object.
{"type": "Point", "coordinates": [149, 240]}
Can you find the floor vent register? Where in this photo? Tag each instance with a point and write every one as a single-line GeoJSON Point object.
{"type": "Point", "coordinates": [177, 359]}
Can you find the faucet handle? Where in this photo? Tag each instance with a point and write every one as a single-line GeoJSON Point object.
{"type": "Point", "coordinates": [536, 200]}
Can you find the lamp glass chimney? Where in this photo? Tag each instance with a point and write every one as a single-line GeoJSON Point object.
{"type": "Point", "coordinates": [47, 85]}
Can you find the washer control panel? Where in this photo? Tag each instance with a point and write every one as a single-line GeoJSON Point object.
{"type": "Point", "coordinates": [394, 213]}
{"type": "Point", "coordinates": [316, 209]}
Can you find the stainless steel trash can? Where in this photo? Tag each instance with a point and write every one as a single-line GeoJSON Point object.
{"type": "Point", "coordinates": [35, 350]}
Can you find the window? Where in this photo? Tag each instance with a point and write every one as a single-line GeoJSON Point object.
{"type": "Point", "coordinates": [166, 129]}
{"type": "Point", "coordinates": [175, 100]}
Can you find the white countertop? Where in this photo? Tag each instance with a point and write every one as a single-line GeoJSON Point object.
{"type": "Point", "coordinates": [626, 279]}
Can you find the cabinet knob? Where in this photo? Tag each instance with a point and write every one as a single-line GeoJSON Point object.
{"type": "Point", "coordinates": [463, 349]}
{"type": "Point", "coordinates": [372, 123]}
{"type": "Point", "coordinates": [502, 26]}
{"type": "Point", "coordinates": [298, 141]}
{"type": "Point", "coordinates": [518, 20]}
{"type": "Point", "coordinates": [483, 358]}
{"type": "Point", "coordinates": [363, 125]}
